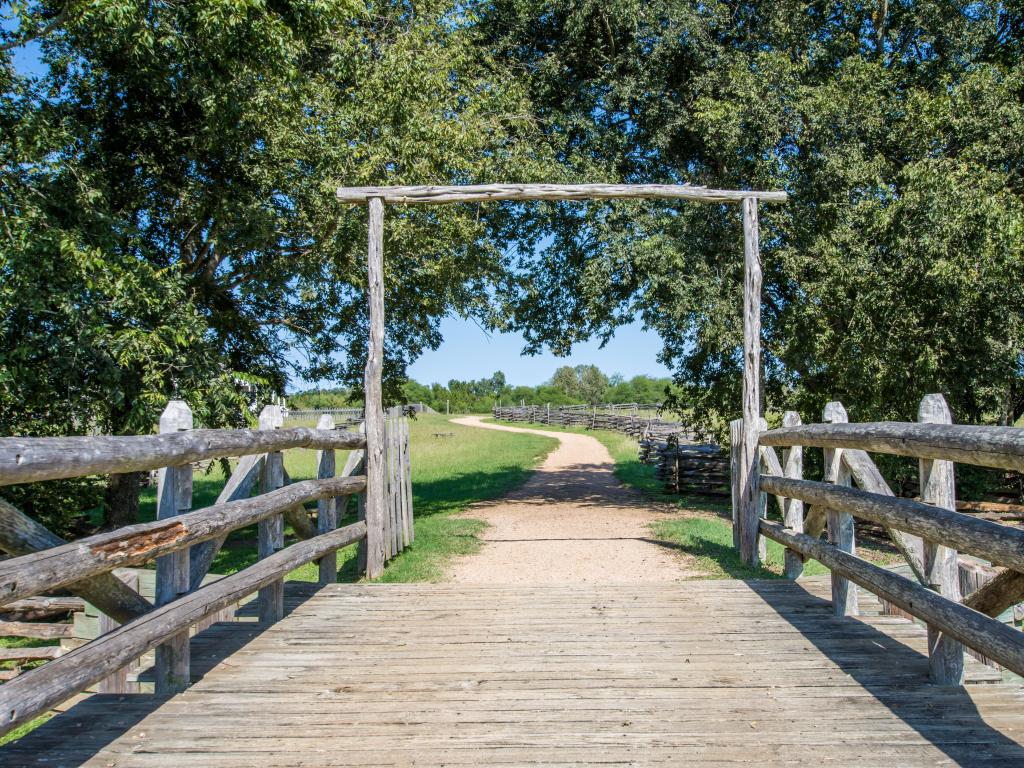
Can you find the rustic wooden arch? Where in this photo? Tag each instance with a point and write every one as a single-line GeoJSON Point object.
{"type": "Point", "coordinates": [376, 198]}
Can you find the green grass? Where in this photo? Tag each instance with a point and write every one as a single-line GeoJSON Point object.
{"type": "Point", "coordinates": [449, 473]}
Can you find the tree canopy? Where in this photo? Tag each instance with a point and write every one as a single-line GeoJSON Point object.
{"type": "Point", "coordinates": [895, 268]}
{"type": "Point", "coordinates": [167, 224]}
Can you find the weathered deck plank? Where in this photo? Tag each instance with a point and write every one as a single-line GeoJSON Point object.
{"type": "Point", "coordinates": [710, 672]}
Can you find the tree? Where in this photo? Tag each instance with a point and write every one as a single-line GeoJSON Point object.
{"type": "Point", "coordinates": [190, 150]}
{"type": "Point", "coordinates": [592, 383]}
{"type": "Point", "coordinates": [566, 381]}
{"type": "Point", "coordinates": [892, 271]}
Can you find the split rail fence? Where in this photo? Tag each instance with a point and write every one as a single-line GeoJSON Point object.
{"type": "Point", "coordinates": [183, 542]}
{"type": "Point", "coordinates": [929, 533]}
{"type": "Point", "coordinates": [685, 461]}
{"type": "Point", "coordinates": [635, 419]}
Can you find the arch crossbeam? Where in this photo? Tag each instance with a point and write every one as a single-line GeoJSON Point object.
{"type": "Point", "coordinates": [479, 193]}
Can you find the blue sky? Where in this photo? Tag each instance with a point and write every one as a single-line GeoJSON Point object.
{"type": "Point", "coordinates": [468, 353]}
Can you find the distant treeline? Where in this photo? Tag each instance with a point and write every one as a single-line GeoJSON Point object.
{"type": "Point", "coordinates": [583, 384]}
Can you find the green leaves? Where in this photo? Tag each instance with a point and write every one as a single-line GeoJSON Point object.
{"type": "Point", "coordinates": [895, 268]}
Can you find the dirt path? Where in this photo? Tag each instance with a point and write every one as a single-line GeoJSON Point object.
{"type": "Point", "coordinates": [571, 522]}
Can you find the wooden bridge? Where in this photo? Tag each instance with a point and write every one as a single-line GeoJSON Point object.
{"type": "Point", "coordinates": [720, 673]}
{"type": "Point", "coordinates": [708, 672]}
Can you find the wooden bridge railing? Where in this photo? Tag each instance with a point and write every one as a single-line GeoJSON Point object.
{"type": "Point", "coordinates": [929, 533]}
{"type": "Point", "coordinates": [182, 542]}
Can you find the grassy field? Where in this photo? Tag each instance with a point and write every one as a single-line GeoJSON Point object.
{"type": "Point", "coordinates": [704, 526]}
{"type": "Point", "coordinates": [452, 467]}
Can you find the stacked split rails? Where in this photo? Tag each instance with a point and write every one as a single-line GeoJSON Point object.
{"type": "Point", "coordinates": [682, 465]}
{"type": "Point", "coordinates": [634, 419]}
{"type": "Point", "coordinates": [929, 532]}
{"type": "Point", "coordinates": [690, 468]}
{"type": "Point", "coordinates": [44, 563]}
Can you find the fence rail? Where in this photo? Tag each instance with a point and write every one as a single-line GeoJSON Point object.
{"type": "Point", "coordinates": [929, 532]}
{"type": "Point", "coordinates": [183, 542]}
{"type": "Point", "coordinates": [634, 419]}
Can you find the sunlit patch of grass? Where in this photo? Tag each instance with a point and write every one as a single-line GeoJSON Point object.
{"type": "Point", "coordinates": [452, 467]}
{"type": "Point", "coordinates": [709, 541]}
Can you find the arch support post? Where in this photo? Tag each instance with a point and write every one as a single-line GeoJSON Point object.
{"type": "Point", "coordinates": [373, 396]}
{"type": "Point", "coordinates": [748, 491]}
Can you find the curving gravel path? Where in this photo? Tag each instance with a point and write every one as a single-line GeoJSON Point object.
{"type": "Point", "coordinates": [571, 522]}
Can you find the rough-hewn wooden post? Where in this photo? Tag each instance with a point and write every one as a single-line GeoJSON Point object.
{"type": "Point", "coordinates": [749, 468]}
{"type": "Point", "coordinates": [376, 501]}
{"type": "Point", "coordinates": [174, 496]}
{"type": "Point", "coordinates": [793, 466]}
{"type": "Point", "coordinates": [840, 524]}
{"type": "Point", "coordinates": [271, 530]}
{"type": "Point", "coordinates": [117, 682]}
{"type": "Point", "coordinates": [938, 487]}
{"type": "Point", "coordinates": [326, 509]}
{"type": "Point", "coordinates": [407, 482]}
{"type": "Point", "coordinates": [735, 454]}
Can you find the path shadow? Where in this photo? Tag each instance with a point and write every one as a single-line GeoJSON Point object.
{"type": "Point", "coordinates": [76, 736]}
{"type": "Point", "coordinates": [945, 716]}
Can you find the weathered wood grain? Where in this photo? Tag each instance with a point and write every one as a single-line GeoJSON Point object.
{"type": "Point", "coordinates": [376, 501]}
{"type": "Point", "coordinates": [36, 608]}
{"type": "Point", "coordinates": [841, 532]}
{"type": "Point", "coordinates": [709, 673]}
{"type": "Point", "coordinates": [31, 459]}
{"type": "Point", "coordinates": [31, 654]}
{"type": "Point", "coordinates": [270, 531]}
{"type": "Point", "coordinates": [81, 561]}
{"type": "Point", "coordinates": [38, 690]}
{"type": "Point", "coordinates": [1002, 592]}
{"type": "Point", "coordinates": [793, 509]}
{"type": "Point", "coordinates": [21, 535]}
{"type": "Point", "coordinates": [239, 486]}
{"type": "Point", "coordinates": [36, 630]}
{"type": "Point", "coordinates": [1001, 447]}
{"type": "Point", "coordinates": [735, 480]}
{"type": "Point", "coordinates": [986, 635]}
{"type": "Point", "coordinates": [173, 497]}
{"type": "Point", "coordinates": [866, 475]}
{"type": "Point", "coordinates": [410, 531]}
{"type": "Point", "coordinates": [749, 491]}
{"type": "Point", "coordinates": [938, 488]}
{"type": "Point", "coordinates": [326, 509]}
{"type": "Point", "coordinates": [1002, 544]}
{"type": "Point", "coordinates": [479, 193]}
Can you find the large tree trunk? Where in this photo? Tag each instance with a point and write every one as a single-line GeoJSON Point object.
{"type": "Point", "coordinates": [121, 500]}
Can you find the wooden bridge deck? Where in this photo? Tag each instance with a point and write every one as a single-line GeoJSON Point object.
{"type": "Point", "coordinates": [708, 672]}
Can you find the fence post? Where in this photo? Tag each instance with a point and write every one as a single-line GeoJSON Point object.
{"type": "Point", "coordinates": [376, 503]}
{"type": "Point", "coordinates": [840, 524]}
{"type": "Point", "coordinates": [271, 529]}
{"type": "Point", "coordinates": [174, 496]}
{"type": "Point", "coordinates": [938, 487]}
{"type": "Point", "coordinates": [735, 453]}
{"type": "Point", "coordinates": [326, 509]}
{"type": "Point", "coordinates": [750, 465]}
{"type": "Point", "coordinates": [793, 466]}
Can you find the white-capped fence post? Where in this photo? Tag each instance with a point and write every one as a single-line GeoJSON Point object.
{"type": "Point", "coordinates": [174, 496]}
{"type": "Point", "coordinates": [793, 466]}
{"type": "Point", "coordinates": [326, 509]}
{"type": "Point", "coordinates": [840, 524]}
{"type": "Point", "coordinates": [938, 487]}
{"type": "Point", "coordinates": [271, 529]}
